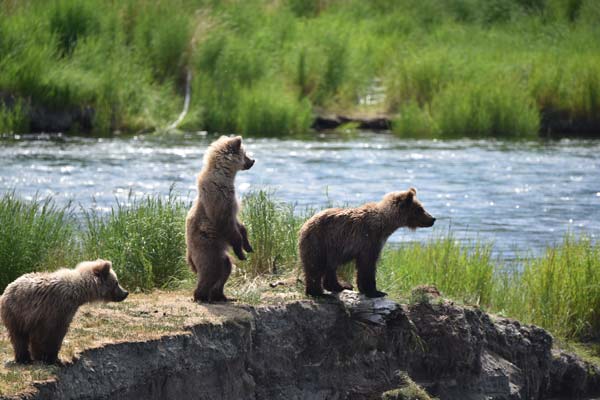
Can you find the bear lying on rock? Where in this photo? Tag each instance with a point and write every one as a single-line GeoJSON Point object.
{"type": "Point", "coordinates": [339, 235]}
{"type": "Point", "coordinates": [38, 308]}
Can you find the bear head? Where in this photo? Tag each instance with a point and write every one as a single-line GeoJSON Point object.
{"type": "Point", "coordinates": [410, 212]}
{"type": "Point", "coordinates": [106, 284]}
{"type": "Point", "coordinates": [228, 153]}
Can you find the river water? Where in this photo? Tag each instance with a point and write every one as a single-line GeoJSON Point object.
{"type": "Point", "coordinates": [522, 196]}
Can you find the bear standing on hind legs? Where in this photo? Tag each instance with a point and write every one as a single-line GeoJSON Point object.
{"type": "Point", "coordinates": [212, 225]}
{"type": "Point", "coordinates": [336, 236]}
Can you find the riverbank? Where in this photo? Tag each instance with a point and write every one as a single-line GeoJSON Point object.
{"type": "Point", "coordinates": [164, 346]}
{"type": "Point", "coordinates": [145, 241]}
{"type": "Point", "coordinates": [272, 68]}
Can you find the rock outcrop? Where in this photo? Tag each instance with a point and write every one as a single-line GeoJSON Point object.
{"type": "Point", "coordinates": [350, 348]}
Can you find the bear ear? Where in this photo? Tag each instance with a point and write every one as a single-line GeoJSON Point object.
{"type": "Point", "coordinates": [102, 268]}
{"type": "Point", "coordinates": [410, 195]}
{"type": "Point", "coordinates": [236, 143]}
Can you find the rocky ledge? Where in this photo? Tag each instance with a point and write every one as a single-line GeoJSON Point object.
{"type": "Point", "coordinates": [349, 348]}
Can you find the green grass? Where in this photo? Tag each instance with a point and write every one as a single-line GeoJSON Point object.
{"type": "Point", "coordinates": [558, 290]}
{"type": "Point", "coordinates": [264, 67]}
{"type": "Point", "coordinates": [13, 119]}
{"type": "Point", "coordinates": [408, 390]}
{"type": "Point", "coordinates": [561, 290]}
{"type": "Point", "coordinates": [145, 240]}
{"type": "Point", "coordinates": [34, 235]}
{"type": "Point", "coordinates": [459, 272]}
{"type": "Point", "coordinates": [273, 230]}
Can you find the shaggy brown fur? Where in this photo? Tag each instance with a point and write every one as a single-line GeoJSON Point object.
{"type": "Point", "coordinates": [37, 308]}
{"type": "Point", "coordinates": [336, 236]}
{"type": "Point", "coordinates": [212, 224]}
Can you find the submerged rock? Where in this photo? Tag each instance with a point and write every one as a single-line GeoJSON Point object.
{"type": "Point", "coordinates": [345, 348]}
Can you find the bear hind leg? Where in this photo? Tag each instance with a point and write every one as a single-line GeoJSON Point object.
{"type": "Point", "coordinates": [331, 282]}
{"type": "Point", "coordinates": [46, 345]}
{"type": "Point", "coordinates": [202, 291]}
{"type": "Point", "coordinates": [313, 277]}
{"type": "Point", "coordinates": [20, 343]}
{"type": "Point", "coordinates": [217, 292]}
{"type": "Point", "coordinates": [366, 268]}
{"type": "Point", "coordinates": [209, 265]}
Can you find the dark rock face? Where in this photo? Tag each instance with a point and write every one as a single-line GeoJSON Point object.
{"type": "Point", "coordinates": [49, 120]}
{"type": "Point", "coordinates": [57, 119]}
{"type": "Point", "coordinates": [326, 122]}
{"type": "Point", "coordinates": [349, 349]}
{"type": "Point", "coordinates": [573, 378]}
{"type": "Point", "coordinates": [557, 123]}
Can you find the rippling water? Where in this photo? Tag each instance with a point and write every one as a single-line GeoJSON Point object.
{"type": "Point", "coordinates": [521, 196]}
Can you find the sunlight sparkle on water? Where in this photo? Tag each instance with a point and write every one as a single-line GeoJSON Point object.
{"type": "Point", "coordinates": [547, 187]}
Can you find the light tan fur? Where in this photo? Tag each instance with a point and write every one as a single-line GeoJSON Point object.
{"type": "Point", "coordinates": [339, 235]}
{"type": "Point", "coordinates": [212, 224]}
{"type": "Point", "coordinates": [37, 308]}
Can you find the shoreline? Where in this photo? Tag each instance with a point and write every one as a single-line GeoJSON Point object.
{"type": "Point", "coordinates": [79, 120]}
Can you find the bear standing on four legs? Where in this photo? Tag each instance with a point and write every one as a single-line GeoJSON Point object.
{"type": "Point", "coordinates": [38, 308]}
{"type": "Point", "coordinates": [339, 235]}
{"type": "Point", "coordinates": [212, 225]}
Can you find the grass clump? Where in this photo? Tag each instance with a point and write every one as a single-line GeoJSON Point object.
{"type": "Point", "coordinates": [145, 240]}
{"type": "Point", "coordinates": [561, 290]}
{"type": "Point", "coordinates": [13, 119]}
{"type": "Point", "coordinates": [408, 390]}
{"type": "Point", "coordinates": [460, 272]}
{"type": "Point", "coordinates": [273, 231]}
{"type": "Point", "coordinates": [557, 291]}
{"type": "Point", "coordinates": [488, 110]}
{"type": "Point", "coordinates": [34, 235]}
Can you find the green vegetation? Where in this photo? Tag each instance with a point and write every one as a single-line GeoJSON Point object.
{"type": "Point", "coordinates": [34, 235]}
{"type": "Point", "coordinates": [145, 240]}
{"type": "Point", "coordinates": [13, 119]}
{"type": "Point", "coordinates": [263, 67]}
{"type": "Point", "coordinates": [273, 227]}
{"type": "Point", "coordinates": [558, 290]}
{"type": "Point", "coordinates": [409, 390]}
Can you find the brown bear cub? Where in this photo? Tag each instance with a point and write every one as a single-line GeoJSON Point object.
{"type": "Point", "coordinates": [37, 308]}
{"type": "Point", "coordinates": [336, 236]}
{"type": "Point", "coordinates": [212, 225]}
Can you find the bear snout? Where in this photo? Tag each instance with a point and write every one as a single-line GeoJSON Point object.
{"type": "Point", "coordinates": [121, 296]}
{"type": "Point", "coordinates": [249, 163]}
